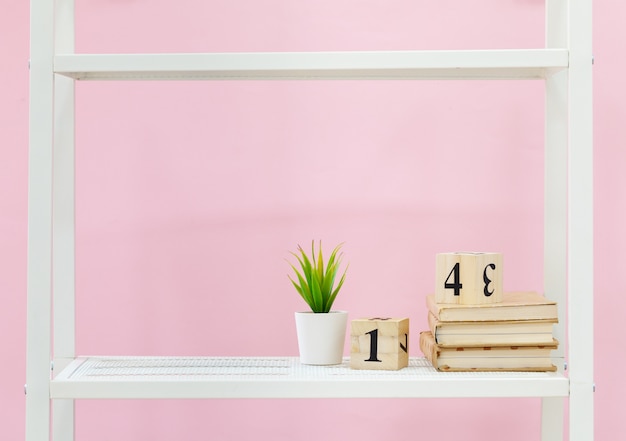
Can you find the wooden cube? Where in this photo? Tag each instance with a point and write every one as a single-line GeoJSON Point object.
{"type": "Point", "coordinates": [379, 343]}
{"type": "Point", "coordinates": [468, 278]}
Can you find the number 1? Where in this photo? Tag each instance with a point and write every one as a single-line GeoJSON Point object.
{"type": "Point", "coordinates": [373, 345]}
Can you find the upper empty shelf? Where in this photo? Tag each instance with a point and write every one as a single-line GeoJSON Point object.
{"type": "Point", "coordinates": [392, 65]}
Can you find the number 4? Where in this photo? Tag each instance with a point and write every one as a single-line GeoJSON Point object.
{"type": "Point", "coordinates": [456, 284]}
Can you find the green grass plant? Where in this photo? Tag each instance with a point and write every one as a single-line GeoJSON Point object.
{"type": "Point", "coordinates": [316, 280]}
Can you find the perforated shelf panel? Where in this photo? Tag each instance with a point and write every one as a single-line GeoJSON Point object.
{"type": "Point", "coordinates": [285, 377]}
{"type": "Point", "coordinates": [185, 368]}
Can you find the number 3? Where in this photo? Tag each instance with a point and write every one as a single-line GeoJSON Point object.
{"type": "Point", "coordinates": [487, 280]}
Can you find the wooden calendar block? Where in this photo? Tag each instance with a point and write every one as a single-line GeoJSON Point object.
{"type": "Point", "coordinates": [379, 343]}
{"type": "Point", "coordinates": [468, 278]}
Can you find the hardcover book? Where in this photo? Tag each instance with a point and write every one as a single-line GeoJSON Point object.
{"type": "Point", "coordinates": [491, 333]}
{"type": "Point", "coordinates": [514, 306]}
{"type": "Point", "coordinates": [534, 358]}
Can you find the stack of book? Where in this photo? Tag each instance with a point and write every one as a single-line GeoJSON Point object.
{"type": "Point", "coordinates": [513, 335]}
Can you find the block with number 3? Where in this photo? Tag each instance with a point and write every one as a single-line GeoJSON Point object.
{"type": "Point", "coordinates": [468, 278]}
{"type": "Point", "coordinates": [379, 343]}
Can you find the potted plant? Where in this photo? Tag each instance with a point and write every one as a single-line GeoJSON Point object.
{"type": "Point", "coordinates": [321, 331]}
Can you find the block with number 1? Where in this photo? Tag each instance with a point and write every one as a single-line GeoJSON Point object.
{"type": "Point", "coordinates": [468, 278]}
{"type": "Point", "coordinates": [379, 343]}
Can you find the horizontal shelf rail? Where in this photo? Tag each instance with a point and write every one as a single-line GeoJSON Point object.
{"type": "Point", "coordinates": [285, 377]}
{"type": "Point", "coordinates": [363, 65]}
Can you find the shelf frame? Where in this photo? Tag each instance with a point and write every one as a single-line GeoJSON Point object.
{"type": "Point", "coordinates": [565, 66]}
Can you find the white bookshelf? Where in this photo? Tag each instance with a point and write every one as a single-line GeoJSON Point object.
{"type": "Point", "coordinates": [565, 67]}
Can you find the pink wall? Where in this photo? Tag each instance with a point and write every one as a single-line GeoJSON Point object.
{"type": "Point", "coordinates": [191, 194]}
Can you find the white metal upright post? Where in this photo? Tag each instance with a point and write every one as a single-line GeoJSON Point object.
{"type": "Point", "coordinates": [580, 221]}
{"type": "Point", "coordinates": [63, 224]}
{"type": "Point", "coordinates": [569, 211]}
{"type": "Point", "coordinates": [555, 205]}
{"type": "Point", "coordinates": [39, 279]}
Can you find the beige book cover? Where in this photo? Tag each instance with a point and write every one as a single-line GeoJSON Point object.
{"type": "Point", "coordinates": [491, 333]}
{"type": "Point", "coordinates": [511, 358]}
{"type": "Point", "coordinates": [525, 305]}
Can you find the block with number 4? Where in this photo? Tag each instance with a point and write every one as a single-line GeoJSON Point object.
{"type": "Point", "coordinates": [468, 278]}
{"type": "Point", "coordinates": [379, 343]}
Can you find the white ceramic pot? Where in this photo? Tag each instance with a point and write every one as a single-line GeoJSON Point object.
{"type": "Point", "coordinates": [321, 336]}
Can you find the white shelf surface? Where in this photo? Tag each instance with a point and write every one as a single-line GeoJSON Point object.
{"type": "Point", "coordinates": [285, 377]}
{"type": "Point", "coordinates": [373, 65]}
